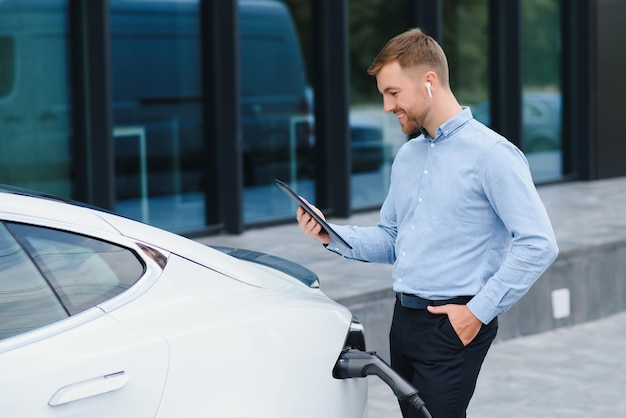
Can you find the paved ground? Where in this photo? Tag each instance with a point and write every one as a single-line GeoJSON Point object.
{"type": "Point", "coordinates": [572, 372]}
{"type": "Point", "coordinates": [567, 373]}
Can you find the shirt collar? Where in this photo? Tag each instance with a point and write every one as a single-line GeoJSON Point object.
{"type": "Point", "coordinates": [450, 126]}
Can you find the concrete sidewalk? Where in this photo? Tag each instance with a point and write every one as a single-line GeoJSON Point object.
{"type": "Point", "coordinates": [571, 372]}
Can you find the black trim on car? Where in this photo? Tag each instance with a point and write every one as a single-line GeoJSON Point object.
{"type": "Point", "coordinates": [295, 270]}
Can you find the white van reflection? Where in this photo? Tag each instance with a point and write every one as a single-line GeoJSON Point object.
{"type": "Point", "coordinates": [541, 120]}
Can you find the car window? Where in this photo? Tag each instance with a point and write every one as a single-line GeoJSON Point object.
{"type": "Point", "coordinates": [26, 300]}
{"type": "Point", "coordinates": [81, 271]}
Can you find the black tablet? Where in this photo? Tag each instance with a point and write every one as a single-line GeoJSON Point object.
{"type": "Point", "coordinates": [294, 196]}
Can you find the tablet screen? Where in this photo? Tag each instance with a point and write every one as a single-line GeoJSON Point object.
{"type": "Point", "coordinates": [294, 196]}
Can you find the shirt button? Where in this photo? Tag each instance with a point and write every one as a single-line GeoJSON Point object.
{"type": "Point", "coordinates": [403, 254]}
{"type": "Point", "coordinates": [432, 145]}
{"type": "Point", "coordinates": [412, 226]}
{"type": "Point", "coordinates": [399, 280]}
{"type": "Point", "coordinates": [425, 171]}
{"type": "Point", "coordinates": [420, 200]}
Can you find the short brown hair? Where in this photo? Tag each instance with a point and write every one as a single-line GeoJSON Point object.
{"type": "Point", "coordinates": [413, 48]}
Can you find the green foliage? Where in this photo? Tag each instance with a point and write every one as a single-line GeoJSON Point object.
{"type": "Point", "coordinates": [371, 24]}
{"type": "Point", "coordinates": [465, 39]}
{"type": "Point", "coordinates": [541, 44]}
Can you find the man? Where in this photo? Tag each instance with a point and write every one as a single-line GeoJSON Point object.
{"type": "Point", "coordinates": [462, 224]}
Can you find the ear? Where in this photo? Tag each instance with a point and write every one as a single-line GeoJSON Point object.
{"type": "Point", "coordinates": [431, 77]}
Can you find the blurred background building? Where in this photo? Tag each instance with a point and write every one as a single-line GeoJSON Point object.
{"type": "Point", "coordinates": [181, 113]}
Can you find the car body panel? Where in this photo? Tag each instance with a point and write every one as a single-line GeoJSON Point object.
{"type": "Point", "coordinates": [291, 342]}
{"type": "Point", "coordinates": [201, 333]}
{"type": "Point", "coordinates": [36, 372]}
{"type": "Point", "coordinates": [250, 273]}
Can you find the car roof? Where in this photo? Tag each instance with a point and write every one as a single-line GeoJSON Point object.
{"type": "Point", "coordinates": [6, 188]}
{"type": "Point", "coordinates": [17, 203]}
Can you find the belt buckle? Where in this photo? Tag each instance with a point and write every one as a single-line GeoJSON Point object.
{"type": "Point", "coordinates": [407, 300]}
{"type": "Point", "coordinates": [401, 297]}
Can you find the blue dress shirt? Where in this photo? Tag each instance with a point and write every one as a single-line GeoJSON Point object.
{"type": "Point", "coordinates": [462, 217]}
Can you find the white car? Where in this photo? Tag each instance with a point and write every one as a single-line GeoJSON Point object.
{"type": "Point", "coordinates": [102, 316]}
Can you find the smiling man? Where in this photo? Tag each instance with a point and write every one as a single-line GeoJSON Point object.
{"type": "Point", "coordinates": [462, 225]}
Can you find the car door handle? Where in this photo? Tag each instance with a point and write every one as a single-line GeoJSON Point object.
{"type": "Point", "coordinates": [88, 388]}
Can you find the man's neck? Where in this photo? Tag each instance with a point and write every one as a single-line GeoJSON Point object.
{"type": "Point", "coordinates": [443, 110]}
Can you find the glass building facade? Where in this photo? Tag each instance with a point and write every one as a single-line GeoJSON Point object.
{"type": "Point", "coordinates": [181, 113]}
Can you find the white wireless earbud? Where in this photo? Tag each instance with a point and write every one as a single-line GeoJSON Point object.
{"type": "Point", "coordinates": [430, 94]}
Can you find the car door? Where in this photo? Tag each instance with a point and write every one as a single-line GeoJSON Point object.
{"type": "Point", "coordinates": [60, 354]}
{"type": "Point", "coordinates": [99, 368]}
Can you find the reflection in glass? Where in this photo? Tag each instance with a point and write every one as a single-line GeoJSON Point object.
{"type": "Point", "coordinates": [541, 100]}
{"type": "Point", "coordinates": [375, 135]}
{"type": "Point", "coordinates": [466, 43]}
{"type": "Point", "coordinates": [157, 110]}
{"type": "Point", "coordinates": [276, 106]}
{"type": "Point", "coordinates": [34, 96]}
{"type": "Point", "coordinates": [155, 60]}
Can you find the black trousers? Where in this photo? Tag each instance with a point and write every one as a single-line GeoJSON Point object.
{"type": "Point", "coordinates": [427, 352]}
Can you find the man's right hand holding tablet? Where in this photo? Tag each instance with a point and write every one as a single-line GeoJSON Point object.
{"type": "Point", "coordinates": [310, 226]}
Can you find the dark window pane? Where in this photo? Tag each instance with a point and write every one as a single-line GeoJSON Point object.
{"type": "Point", "coordinates": [276, 104]}
{"type": "Point", "coordinates": [541, 99]}
{"type": "Point", "coordinates": [34, 96]}
{"type": "Point", "coordinates": [375, 136]}
{"type": "Point", "coordinates": [7, 65]}
{"type": "Point", "coordinates": [157, 112]}
{"type": "Point", "coordinates": [466, 43]}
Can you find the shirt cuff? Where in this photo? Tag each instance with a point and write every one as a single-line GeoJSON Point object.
{"type": "Point", "coordinates": [482, 308]}
{"type": "Point", "coordinates": [335, 246]}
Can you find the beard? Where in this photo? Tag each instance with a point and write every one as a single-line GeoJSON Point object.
{"type": "Point", "coordinates": [413, 123]}
{"type": "Point", "coordinates": [412, 133]}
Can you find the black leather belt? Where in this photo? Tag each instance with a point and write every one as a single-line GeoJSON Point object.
{"type": "Point", "coordinates": [415, 302]}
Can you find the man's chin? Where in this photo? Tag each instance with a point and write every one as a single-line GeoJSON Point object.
{"type": "Point", "coordinates": [411, 131]}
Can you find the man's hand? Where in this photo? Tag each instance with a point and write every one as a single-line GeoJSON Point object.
{"type": "Point", "coordinates": [310, 226]}
{"type": "Point", "coordinates": [462, 319]}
